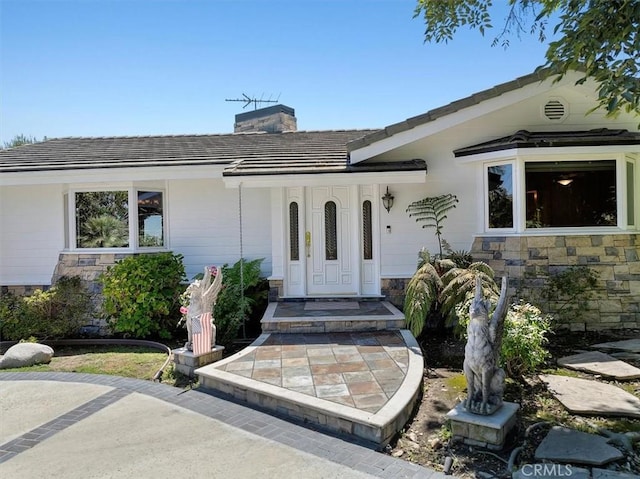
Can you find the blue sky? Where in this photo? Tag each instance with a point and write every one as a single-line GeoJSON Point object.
{"type": "Point", "coordinates": [141, 67]}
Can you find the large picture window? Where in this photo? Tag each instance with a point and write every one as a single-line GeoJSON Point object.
{"type": "Point", "coordinates": [570, 194]}
{"type": "Point", "coordinates": [102, 219]}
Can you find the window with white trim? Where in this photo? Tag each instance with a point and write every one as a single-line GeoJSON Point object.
{"type": "Point", "coordinates": [527, 194]}
{"type": "Point", "coordinates": [571, 193]}
{"type": "Point", "coordinates": [499, 195]}
{"type": "Point", "coordinates": [121, 218]}
{"type": "Point", "coordinates": [631, 195]}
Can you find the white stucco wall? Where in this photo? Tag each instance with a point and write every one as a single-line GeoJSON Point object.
{"type": "Point", "coordinates": [446, 174]}
{"type": "Point", "coordinates": [399, 248]}
{"type": "Point", "coordinates": [204, 225]}
{"type": "Point", "coordinates": [31, 233]}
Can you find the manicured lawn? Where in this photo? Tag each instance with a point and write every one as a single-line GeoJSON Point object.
{"type": "Point", "coordinates": [126, 361]}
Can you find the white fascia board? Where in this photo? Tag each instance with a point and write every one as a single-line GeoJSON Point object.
{"type": "Point", "coordinates": [561, 153]}
{"type": "Point", "coordinates": [453, 119]}
{"type": "Point", "coordinates": [101, 175]}
{"type": "Point", "coordinates": [271, 181]}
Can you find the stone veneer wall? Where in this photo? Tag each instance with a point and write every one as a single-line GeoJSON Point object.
{"type": "Point", "coordinates": [616, 302]}
{"type": "Point", "coordinates": [88, 266]}
{"type": "Point", "coordinates": [393, 289]}
{"type": "Point", "coordinates": [276, 290]}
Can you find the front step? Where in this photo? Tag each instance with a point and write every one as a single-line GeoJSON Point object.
{"type": "Point", "coordinates": [363, 385]}
{"type": "Point", "coordinates": [302, 317]}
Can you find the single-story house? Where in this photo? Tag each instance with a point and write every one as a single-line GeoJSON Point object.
{"type": "Point", "coordinates": [541, 185]}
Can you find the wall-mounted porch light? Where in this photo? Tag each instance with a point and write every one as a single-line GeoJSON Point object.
{"type": "Point", "coordinates": [387, 200]}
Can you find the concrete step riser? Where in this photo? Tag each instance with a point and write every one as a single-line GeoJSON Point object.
{"type": "Point", "coordinates": [331, 326]}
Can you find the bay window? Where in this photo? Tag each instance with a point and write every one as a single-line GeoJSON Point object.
{"type": "Point", "coordinates": [529, 194]}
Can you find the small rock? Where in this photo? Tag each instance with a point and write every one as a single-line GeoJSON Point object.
{"type": "Point", "coordinates": [26, 354]}
{"type": "Point", "coordinates": [397, 453]}
{"type": "Point", "coordinates": [408, 444]}
{"type": "Point", "coordinates": [412, 436]}
{"type": "Point", "coordinates": [434, 443]}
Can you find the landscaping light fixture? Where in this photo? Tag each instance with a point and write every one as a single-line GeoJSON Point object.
{"type": "Point", "coordinates": [387, 200]}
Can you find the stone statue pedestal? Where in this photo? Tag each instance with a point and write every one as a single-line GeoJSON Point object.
{"type": "Point", "coordinates": [483, 431]}
{"type": "Point", "coordinates": [185, 362]}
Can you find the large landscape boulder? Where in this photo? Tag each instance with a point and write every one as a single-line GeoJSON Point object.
{"type": "Point", "coordinates": [26, 354]}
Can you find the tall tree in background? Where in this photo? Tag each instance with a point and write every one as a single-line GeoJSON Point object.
{"type": "Point", "coordinates": [600, 38]}
{"type": "Point", "coordinates": [19, 140]}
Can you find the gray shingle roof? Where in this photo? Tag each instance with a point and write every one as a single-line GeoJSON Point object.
{"type": "Point", "coordinates": [448, 109]}
{"type": "Point", "coordinates": [308, 151]}
{"type": "Point", "coordinates": [547, 139]}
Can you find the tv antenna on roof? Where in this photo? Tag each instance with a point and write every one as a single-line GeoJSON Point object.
{"type": "Point", "coordinates": [248, 100]}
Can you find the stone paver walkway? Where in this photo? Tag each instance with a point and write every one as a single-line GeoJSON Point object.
{"type": "Point", "coordinates": [585, 396]}
{"type": "Point", "coordinates": [361, 370]}
{"type": "Point", "coordinates": [597, 362]}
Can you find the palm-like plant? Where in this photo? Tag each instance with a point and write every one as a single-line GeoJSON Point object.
{"type": "Point", "coordinates": [423, 291]}
{"type": "Point", "coordinates": [432, 212]}
{"type": "Point", "coordinates": [458, 287]}
{"type": "Point", "coordinates": [421, 297]}
{"type": "Point", "coordinates": [104, 231]}
{"type": "Point", "coordinates": [438, 287]}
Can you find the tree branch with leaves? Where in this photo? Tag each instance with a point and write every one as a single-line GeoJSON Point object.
{"type": "Point", "coordinates": [600, 38]}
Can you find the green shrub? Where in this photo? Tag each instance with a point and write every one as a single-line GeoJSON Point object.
{"type": "Point", "coordinates": [141, 294]}
{"type": "Point", "coordinates": [523, 347]}
{"type": "Point", "coordinates": [234, 307]}
{"type": "Point", "coordinates": [56, 313]}
{"type": "Point", "coordinates": [524, 341]}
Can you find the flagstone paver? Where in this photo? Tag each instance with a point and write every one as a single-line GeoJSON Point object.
{"type": "Point", "coordinates": [630, 345]}
{"type": "Point", "coordinates": [583, 396]}
{"type": "Point", "coordinates": [597, 473]}
{"type": "Point", "coordinates": [600, 363]}
{"type": "Point", "coordinates": [570, 446]}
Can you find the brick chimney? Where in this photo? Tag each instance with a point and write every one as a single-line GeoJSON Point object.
{"type": "Point", "coordinates": [272, 119]}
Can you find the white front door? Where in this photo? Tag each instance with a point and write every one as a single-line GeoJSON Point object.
{"type": "Point", "coordinates": [331, 241]}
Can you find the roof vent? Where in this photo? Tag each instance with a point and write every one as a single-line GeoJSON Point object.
{"type": "Point", "coordinates": [555, 110]}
